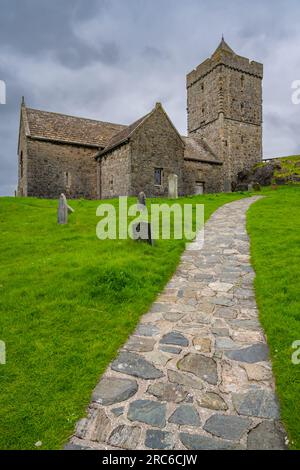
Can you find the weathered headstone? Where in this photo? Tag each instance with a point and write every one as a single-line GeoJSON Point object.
{"type": "Point", "coordinates": [142, 230]}
{"type": "Point", "coordinates": [173, 186]}
{"type": "Point", "coordinates": [63, 210]}
{"type": "Point", "coordinates": [142, 199]}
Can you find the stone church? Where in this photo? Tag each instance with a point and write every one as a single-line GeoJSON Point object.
{"type": "Point", "coordinates": [94, 159]}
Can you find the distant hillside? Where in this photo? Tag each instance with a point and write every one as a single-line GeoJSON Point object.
{"type": "Point", "coordinates": [279, 170]}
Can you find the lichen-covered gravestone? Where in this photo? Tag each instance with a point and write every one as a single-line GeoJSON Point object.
{"type": "Point", "coordinates": [173, 186]}
{"type": "Point", "coordinates": [63, 210]}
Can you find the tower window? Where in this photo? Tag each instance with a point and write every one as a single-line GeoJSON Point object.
{"type": "Point", "coordinates": [202, 86]}
{"type": "Point", "coordinates": [242, 107]}
{"type": "Point", "coordinates": [158, 176]}
{"type": "Point", "coordinates": [242, 82]}
{"type": "Point", "coordinates": [67, 178]}
{"type": "Point", "coordinates": [242, 139]}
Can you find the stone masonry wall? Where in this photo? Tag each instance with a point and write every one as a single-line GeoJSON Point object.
{"type": "Point", "coordinates": [156, 144]}
{"type": "Point", "coordinates": [210, 175]}
{"type": "Point", "coordinates": [115, 173]}
{"type": "Point", "coordinates": [244, 147]}
{"type": "Point", "coordinates": [48, 165]}
{"type": "Point", "coordinates": [203, 101]}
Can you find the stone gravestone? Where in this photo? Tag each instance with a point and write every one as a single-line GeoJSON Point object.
{"type": "Point", "coordinates": [142, 200]}
{"type": "Point", "coordinates": [63, 210]}
{"type": "Point", "coordinates": [173, 186]}
{"type": "Point", "coordinates": [142, 230]}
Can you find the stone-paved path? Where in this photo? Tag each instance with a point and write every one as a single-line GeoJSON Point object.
{"type": "Point", "coordinates": [196, 373]}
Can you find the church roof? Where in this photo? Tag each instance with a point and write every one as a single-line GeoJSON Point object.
{"type": "Point", "coordinates": [62, 128]}
{"type": "Point", "coordinates": [197, 149]}
{"type": "Point", "coordinates": [223, 47]}
{"type": "Point", "coordinates": [123, 136]}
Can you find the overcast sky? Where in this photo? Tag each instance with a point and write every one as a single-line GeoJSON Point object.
{"type": "Point", "coordinates": [113, 59]}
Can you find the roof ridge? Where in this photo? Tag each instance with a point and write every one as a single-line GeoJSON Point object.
{"type": "Point", "coordinates": [75, 117]}
{"type": "Point", "coordinates": [123, 136]}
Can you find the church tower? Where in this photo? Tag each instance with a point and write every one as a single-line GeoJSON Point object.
{"type": "Point", "coordinates": [224, 105]}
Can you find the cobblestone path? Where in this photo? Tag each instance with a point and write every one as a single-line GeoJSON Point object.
{"type": "Point", "coordinates": [196, 372]}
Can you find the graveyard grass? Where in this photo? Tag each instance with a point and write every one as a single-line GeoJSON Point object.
{"type": "Point", "coordinates": [67, 303]}
{"type": "Point", "coordinates": [274, 228]}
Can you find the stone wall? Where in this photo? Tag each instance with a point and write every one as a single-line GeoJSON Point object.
{"type": "Point", "coordinates": [53, 169]}
{"type": "Point", "coordinates": [115, 173]}
{"type": "Point", "coordinates": [156, 144]}
{"type": "Point", "coordinates": [203, 101]}
{"type": "Point", "coordinates": [210, 175]}
{"type": "Point", "coordinates": [242, 96]}
{"type": "Point", "coordinates": [244, 148]}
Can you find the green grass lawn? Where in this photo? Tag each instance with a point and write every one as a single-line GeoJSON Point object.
{"type": "Point", "coordinates": [274, 228]}
{"type": "Point", "coordinates": [67, 303]}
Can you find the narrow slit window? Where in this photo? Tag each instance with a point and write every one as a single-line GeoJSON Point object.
{"type": "Point", "coordinates": [158, 176]}
{"type": "Point", "coordinates": [67, 179]}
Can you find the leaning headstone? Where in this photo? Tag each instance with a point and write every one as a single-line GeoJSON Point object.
{"type": "Point", "coordinates": [63, 210]}
{"type": "Point", "coordinates": [173, 186]}
{"type": "Point", "coordinates": [142, 230]}
{"type": "Point", "coordinates": [250, 187]}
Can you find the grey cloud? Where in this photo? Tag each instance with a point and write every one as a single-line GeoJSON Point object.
{"type": "Point", "coordinates": [113, 59]}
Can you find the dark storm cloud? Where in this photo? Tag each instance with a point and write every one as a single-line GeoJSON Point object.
{"type": "Point", "coordinates": [38, 27]}
{"type": "Point", "coordinates": [113, 59]}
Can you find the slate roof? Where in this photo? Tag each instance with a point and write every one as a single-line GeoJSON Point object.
{"type": "Point", "coordinates": [197, 149]}
{"type": "Point", "coordinates": [57, 127]}
{"type": "Point", "coordinates": [223, 47]}
{"type": "Point", "coordinates": [123, 136]}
